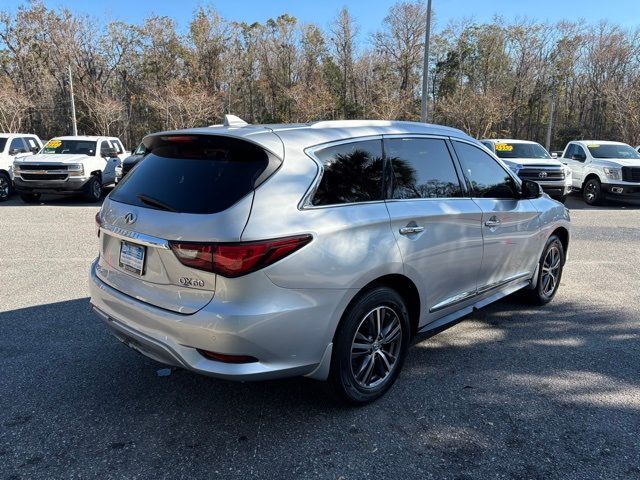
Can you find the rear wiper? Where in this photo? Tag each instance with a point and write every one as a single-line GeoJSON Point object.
{"type": "Point", "coordinates": [156, 203]}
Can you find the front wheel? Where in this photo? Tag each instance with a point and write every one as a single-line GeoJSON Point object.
{"type": "Point", "coordinates": [592, 192]}
{"type": "Point", "coordinates": [5, 187]}
{"type": "Point", "coordinates": [94, 189]}
{"type": "Point", "coordinates": [549, 273]}
{"type": "Point", "coordinates": [370, 346]}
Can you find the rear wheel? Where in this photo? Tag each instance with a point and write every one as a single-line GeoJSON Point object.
{"type": "Point", "coordinates": [549, 273]}
{"type": "Point", "coordinates": [94, 189]}
{"type": "Point", "coordinates": [370, 346]}
{"type": "Point", "coordinates": [592, 192]}
{"type": "Point", "coordinates": [30, 197]}
{"type": "Point", "coordinates": [5, 187]}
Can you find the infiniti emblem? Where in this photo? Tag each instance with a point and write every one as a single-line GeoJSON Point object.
{"type": "Point", "coordinates": [542, 174]}
{"type": "Point", "coordinates": [130, 218]}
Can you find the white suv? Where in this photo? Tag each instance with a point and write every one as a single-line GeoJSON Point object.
{"type": "Point", "coordinates": [12, 147]}
{"type": "Point", "coordinates": [604, 169]}
{"type": "Point", "coordinates": [530, 161]}
{"type": "Point", "coordinates": [69, 165]}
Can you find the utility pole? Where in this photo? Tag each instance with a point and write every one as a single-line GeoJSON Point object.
{"type": "Point", "coordinates": [552, 111]}
{"type": "Point", "coordinates": [425, 68]}
{"type": "Point", "coordinates": [73, 105]}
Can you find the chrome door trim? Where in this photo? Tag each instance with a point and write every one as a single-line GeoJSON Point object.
{"type": "Point", "coordinates": [141, 238]}
{"type": "Point", "coordinates": [461, 297]}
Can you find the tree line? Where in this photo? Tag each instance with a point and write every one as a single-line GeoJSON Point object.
{"type": "Point", "coordinates": [503, 78]}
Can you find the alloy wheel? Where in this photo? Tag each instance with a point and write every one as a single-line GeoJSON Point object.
{"type": "Point", "coordinates": [551, 271]}
{"type": "Point", "coordinates": [591, 191]}
{"type": "Point", "coordinates": [376, 347]}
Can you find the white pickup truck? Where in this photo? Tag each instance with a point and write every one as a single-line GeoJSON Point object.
{"type": "Point", "coordinates": [69, 166]}
{"type": "Point", "coordinates": [12, 147]}
{"type": "Point", "coordinates": [603, 169]}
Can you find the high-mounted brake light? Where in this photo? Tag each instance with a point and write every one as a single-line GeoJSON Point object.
{"type": "Point", "coordinates": [179, 139]}
{"type": "Point", "coordinates": [237, 259]}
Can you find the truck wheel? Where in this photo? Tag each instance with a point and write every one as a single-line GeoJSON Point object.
{"type": "Point", "coordinates": [30, 197]}
{"type": "Point", "coordinates": [592, 192]}
{"type": "Point", "coordinates": [5, 187]}
{"type": "Point", "coordinates": [94, 189]}
{"type": "Point", "coordinates": [370, 346]}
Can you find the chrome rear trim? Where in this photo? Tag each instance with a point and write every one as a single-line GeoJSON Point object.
{"type": "Point", "coordinates": [141, 238]}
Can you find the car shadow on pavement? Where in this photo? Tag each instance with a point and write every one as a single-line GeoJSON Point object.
{"type": "Point", "coordinates": [550, 392]}
{"type": "Point", "coordinates": [575, 202]}
{"type": "Point", "coordinates": [56, 200]}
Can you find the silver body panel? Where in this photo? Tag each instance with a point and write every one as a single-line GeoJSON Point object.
{"type": "Point", "coordinates": [286, 315]}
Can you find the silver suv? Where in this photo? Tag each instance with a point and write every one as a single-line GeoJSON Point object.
{"type": "Point", "coordinates": [323, 250]}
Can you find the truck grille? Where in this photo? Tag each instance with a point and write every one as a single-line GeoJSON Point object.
{"type": "Point", "coordinates": [44, 176]}
{"type": "Point", "coordinates": [541, 173]}
{"type": "Point", "coordinates": [48, 166]}
{"type": "Point", "coordinates": [631, 174]}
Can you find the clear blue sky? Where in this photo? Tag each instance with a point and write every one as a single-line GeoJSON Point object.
{"type": "Point", "coordinates": [368, 13]}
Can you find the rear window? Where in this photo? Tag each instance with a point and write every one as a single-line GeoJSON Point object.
{"type": "Point", "coordinates": [195, 174]}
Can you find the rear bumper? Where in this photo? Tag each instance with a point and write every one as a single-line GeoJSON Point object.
{"type": "Point", "coordinates": [622, 191]}
{"type": "Point", "coordinates": [292, 340]}
{"type": "Point", "coordinates": [70, 186]}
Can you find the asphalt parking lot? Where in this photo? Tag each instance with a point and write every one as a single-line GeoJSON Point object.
{"type": "Point", "coordinates": [510, 392]}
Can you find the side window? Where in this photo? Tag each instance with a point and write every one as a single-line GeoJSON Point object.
{"type": "Point", "coordinates": [578, 150]}
{"type": "Point", "coordinates": [487, 177]}
{"type": "Point", "coordinates": [116, 144]}
{"type": "Point", "coordinates": [422, 168]}
{"type": "Point", "coordinates": [105, 145]}
{"type": "Point", "coordinates": [352, 173]}
{"type": "Point", "coordinates": [569, 151]}
{"type": "Point", "coordinates": [17, 144]}
{"type": "Point", "coordinates": [31, 142]}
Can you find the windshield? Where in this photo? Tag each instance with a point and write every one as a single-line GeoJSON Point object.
{"type": "Point", "coordinates": [521, 150]}
{"type": "Point", "coordinates": [612, 151]}
{"type": "Point", "coordinates": [78, 147]}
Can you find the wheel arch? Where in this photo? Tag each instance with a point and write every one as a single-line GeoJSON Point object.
{"type": "Point", "coordinates": [404, 286]}
{"type": "Point", "coordinates": [563, 234]}
{"type": "Point", "coordinates": [590, 176]}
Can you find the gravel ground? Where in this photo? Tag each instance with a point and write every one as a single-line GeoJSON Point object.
{"type": "Point", "coordinates": [511, 392]}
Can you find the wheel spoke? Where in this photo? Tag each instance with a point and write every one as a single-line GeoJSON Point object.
{"type": "Point", "coordinates": [367, 362]}
{"type": "Point", "coordinates": [392, 336]}
{"type": "Point", "coordinates": [385, 361]}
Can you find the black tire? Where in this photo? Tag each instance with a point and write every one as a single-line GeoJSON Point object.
{"type": "Point", "coordinates": [543, 294]}
{"type": "Point", "coordinates": [30, 197]}
{"type": "Point", "coordinates": [93, 191]}
{"type": "Point", "coordinates": [385, 357]}
{"type": "Point", "coordinates": [592, 192]}
{"type": "Point", "coordinates": [6, 187]}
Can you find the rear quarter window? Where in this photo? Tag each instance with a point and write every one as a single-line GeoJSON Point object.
{"type": "Point", "coordinates": [201, 174]}
{"type": "Point", "coordinates": [352, 173]}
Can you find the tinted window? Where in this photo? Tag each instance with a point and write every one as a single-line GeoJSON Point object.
{"type": "Point", "coordinates": [487, 177]}
{"type": "Point", "coordinates": [84, 147]}
{"type": "Point", "coordinates": [422, 168]}
{"type": "Point", "coordinates": [17, 144]}
{"type": "Point", "coordinates": [568, 153]}
{"type": "Point", "coordinates": [31, 142]}
{"type": "Point", "coordinates": [195, 174]}
{"type": "Point", "coordinates": [105, 145]}
{"type": "Point", "coordinates": [3, 142]}
{"type": "Point", "coordinates": [352, 173]}
{"type": "Point", "coordinates": [115, 144]}
{"type": "Point", "coordinates": [521, 150]}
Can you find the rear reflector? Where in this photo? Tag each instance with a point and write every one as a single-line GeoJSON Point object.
{"type": "Point", "coordinates": [237, 259]}
{"type": "Point", "coordinates": [221, 357]}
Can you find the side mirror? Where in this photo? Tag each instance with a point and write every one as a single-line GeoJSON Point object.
{"type": "Point", "coordinates": [35, 149]}
{"type": "Point", "coordinates": [109, 152]}
{"type": "Point", "coordinates": [554, 155]}
{"type": "Point", "coordinates": [531, 190]}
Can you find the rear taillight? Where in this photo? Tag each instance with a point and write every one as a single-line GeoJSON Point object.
{"type": "Point", "coordinates": [237, 259]}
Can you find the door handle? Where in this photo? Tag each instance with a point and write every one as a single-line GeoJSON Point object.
{"type": "Point", "coordinates": [408, 230]}
{"type": "Point", "coordinates": [492, 222]}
